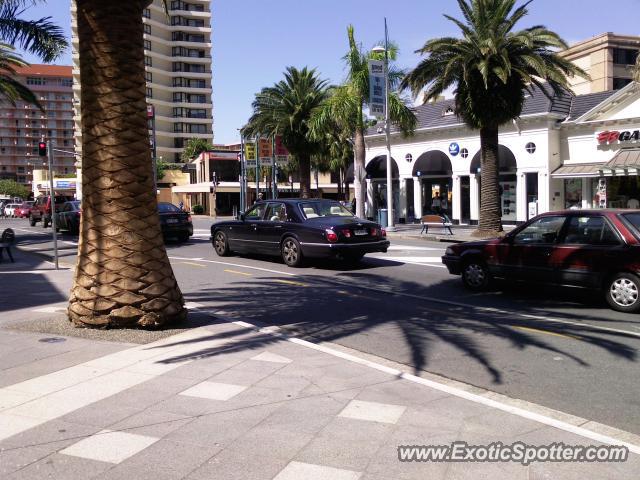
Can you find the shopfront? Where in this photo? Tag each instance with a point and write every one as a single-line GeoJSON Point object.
{"type": "Point", "coordinates": [376, 170]}
{"type": "Point", "coordinates": [508, 182]}
{"type": "Point", "coordinates": [434, 171]}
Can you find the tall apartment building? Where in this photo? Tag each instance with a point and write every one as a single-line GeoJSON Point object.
{"type": "Point", "coordinates": [22, 126]}
{"type": "Point", "coordinates": [178, 72]}
{"type": "Point", "coordinates": [609, 60]}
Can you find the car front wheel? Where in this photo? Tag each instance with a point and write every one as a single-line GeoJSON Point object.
{"type": "Point", "coordinates": [220, 244]}
{"type": "Point", "coordinates": [623, 292]}
{"type": "Point", "coordinates": [291, 252]}
{"type": "Point", "coordinates": [475, 275]}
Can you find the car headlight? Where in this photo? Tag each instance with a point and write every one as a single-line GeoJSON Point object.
{"type": "Point", "coordinates": [449, 251]}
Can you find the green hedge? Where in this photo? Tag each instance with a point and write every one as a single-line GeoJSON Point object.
{"type": "Point", "coordinates": [197, 209]}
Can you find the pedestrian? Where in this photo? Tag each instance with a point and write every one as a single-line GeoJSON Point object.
{"type": "Point", "coordinates": [181, 205]}
{"type": "Point", "coordinates": [435, 204]}
{"type": "Point", "coordinates": [444, 203]}
{"type": "Point", "coordinates": [353, 205]}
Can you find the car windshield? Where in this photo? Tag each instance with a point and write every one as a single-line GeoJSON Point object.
{"type": "Point", "coordinates": [168, 208]}
{"type": "Point", "coordinates": [325, 208]}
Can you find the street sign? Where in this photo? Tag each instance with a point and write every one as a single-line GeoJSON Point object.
{"type": "Point", "coordinates": [265, 151]}
{"type": "Point", "coordinates": [377, 89]}
{"type": "Point", "coordinates": [250, 152]}
{"type": "Point", "coordinates": [251, 163]}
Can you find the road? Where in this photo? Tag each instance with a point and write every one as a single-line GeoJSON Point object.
{"type": "Point", "coordinates": [560, 348]}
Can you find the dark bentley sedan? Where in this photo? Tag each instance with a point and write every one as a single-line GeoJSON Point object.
{"type": "Point", "coordinates": [175, 222]}
{"type": "Point", "coordinates": [597, 249]}
{"type": "Point", "coordinates": [297, 229]}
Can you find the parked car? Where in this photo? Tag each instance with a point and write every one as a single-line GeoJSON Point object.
{"type": "Point", "coordinates": [68, 218]}
{"type": "Point", "coordinates": [10, 209]}
{"type": "Point", "coordinates": [24, 209]}
{"type": "Point", "coordinates": [297, 229]}
{"type": "Point", "coordinates": [41, 209]}
{"type": "Point", "coordinates": [175, 222]}
{"type": "Point", "coordinates": [596, 249]}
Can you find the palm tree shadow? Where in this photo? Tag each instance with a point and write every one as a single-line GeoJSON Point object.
{"type": "Point", "coordinates": [325, 312]}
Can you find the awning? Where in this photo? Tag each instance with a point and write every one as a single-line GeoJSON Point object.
{"type": "Point", "coordinates": [204, 187]}
{"type": "Point", "coordinates": [625, 162]}
{"type": "Point", "coordinates": [579, 170]}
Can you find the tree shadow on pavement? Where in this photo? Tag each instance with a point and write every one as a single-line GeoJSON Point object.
{"type": "Point", "coordinates": [322, 310]}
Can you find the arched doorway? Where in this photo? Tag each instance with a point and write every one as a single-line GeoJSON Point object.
{"type": "Point", "coordinates": [376, 170]}
{"type": "Point", "coordinates": [434, 170]}
{"type": "Point", "coordinates": [507, 168]}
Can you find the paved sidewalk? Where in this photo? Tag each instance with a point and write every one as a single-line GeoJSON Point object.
{"type": "Point", "coordinates": [228, 401]}
{"type": "Point", "coordinates": [461, 233]}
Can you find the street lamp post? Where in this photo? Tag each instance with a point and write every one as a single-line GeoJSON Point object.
{"type": "Point", "coordinates": [387, 127]}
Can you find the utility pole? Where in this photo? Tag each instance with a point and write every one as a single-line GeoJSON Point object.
{"type": "Point", "coordinates": [52, 198]}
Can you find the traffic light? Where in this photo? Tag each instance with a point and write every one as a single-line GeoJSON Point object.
{"type": "Point", "coordinates": [42, 149]}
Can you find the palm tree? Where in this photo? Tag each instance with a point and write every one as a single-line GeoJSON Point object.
{"type": "Point", "coordinates": [337, 152]}
{"type": "Point", "coordinates": [491, 68]}
{"type": "Point", "coordinates": [285, 109]}
{"type": "Point", "coordinates": [123, 276]}
{"type": "Point", "coordinates": [10, 88]}
{"type": "Point", "coordinates": [39, 37]}
{"type": "Point", "coordinates": [194, 147]}
{"type": "Point", "coordinates": [346, 107]}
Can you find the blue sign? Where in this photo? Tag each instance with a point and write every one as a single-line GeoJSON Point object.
{"type": "Point", "coordinates": [454, 149]}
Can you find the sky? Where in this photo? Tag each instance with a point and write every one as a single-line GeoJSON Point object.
{"type": "Point", "coordinates": [255, 40]}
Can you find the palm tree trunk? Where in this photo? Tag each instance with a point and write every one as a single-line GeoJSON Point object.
{"type": "Point", "coordinates": [123, 277]}
{"type": "Point", "coordinates": [490, 223]}
{"type": "Point", "coordinates": [359, 172]}
{"type": "Point", "coordinates": [304, 165]}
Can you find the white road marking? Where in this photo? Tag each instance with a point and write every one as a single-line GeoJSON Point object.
{"type": "Point", "coordinates": [415, 259]}
{"type": "Point", "coordinates": [33, 232]}
{"type": "Point", "coordinates": [411, 248]}
{"type": "Point", "coordinates": [235, 265]}
{"type": "Point", "coordinates": [49, 309]}
{"type": "Point", "coordinates": [458, 392]}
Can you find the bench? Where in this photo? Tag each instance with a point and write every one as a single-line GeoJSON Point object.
{"type": "Point", "coordinates": [435, 221]}
{"type": "Point", "coordinates": [6, 240]}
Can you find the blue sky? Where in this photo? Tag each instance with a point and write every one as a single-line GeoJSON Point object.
{"type": "Point", "coordinates": [254, 40]}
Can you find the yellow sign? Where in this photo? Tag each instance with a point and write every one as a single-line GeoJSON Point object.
{"type": "Point", "coordinates": [250, 151]}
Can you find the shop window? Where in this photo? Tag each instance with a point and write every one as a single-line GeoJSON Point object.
{"type": "Point", "coordinates": [572, 192]}
{"type": "Point", "coordinates": [530, 147]}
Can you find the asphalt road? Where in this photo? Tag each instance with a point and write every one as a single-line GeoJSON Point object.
{"type": "Point", "coordinates": [561, 348]}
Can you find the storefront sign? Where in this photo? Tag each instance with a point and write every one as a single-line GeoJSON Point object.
{"type": "Point", "coordinates": [250, 151]}
{"type": "Point", "coordinates": [454, 149]}
{"type": "Point", "coordinates": [264, 150]}
{"type": "Point", "coordinates": [611, 136]}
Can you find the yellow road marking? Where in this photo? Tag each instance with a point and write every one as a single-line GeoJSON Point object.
{"type": "Point", "coordinates": [194, 264]}
{"type": "Point", "coordinates": [535, 330]}
{"type": "Point", "coordinates": [239, 273]}
{"type": "Point", "coordinates": [289, 282]}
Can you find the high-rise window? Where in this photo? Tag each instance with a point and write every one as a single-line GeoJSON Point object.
{"type": "Point", "coordinates": [147, 44]}
{"type": "Point", "coordinates": [624, 56]}
{"type": "Point", "coordinates": [147, 29]}
{"type": "Point", "coordinates": [147, 61]}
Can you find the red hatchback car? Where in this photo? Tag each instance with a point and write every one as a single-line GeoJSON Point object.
{"type": "Point", "coordinates": [597, 249]}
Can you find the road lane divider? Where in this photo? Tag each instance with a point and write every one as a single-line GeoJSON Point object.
{"type": "Point", "coordinates": [239, 265]}
{"type": "Point", "coordinates": [194, 264]}
{"type": "Point", "coordinates": [238, 273]}
{"type": "Point", "coordinates": [289, 282]}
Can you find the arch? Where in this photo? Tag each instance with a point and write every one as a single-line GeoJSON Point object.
{"type": "Point", "coordinates": [506, 161]}
{"type": "Point", "coordinates": [377, 168]}
{"type": "Point", "coordinates": [433, 162]}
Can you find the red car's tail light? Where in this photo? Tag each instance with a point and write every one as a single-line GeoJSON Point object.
{"type": "Point", "coordinates": [331, 235]}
